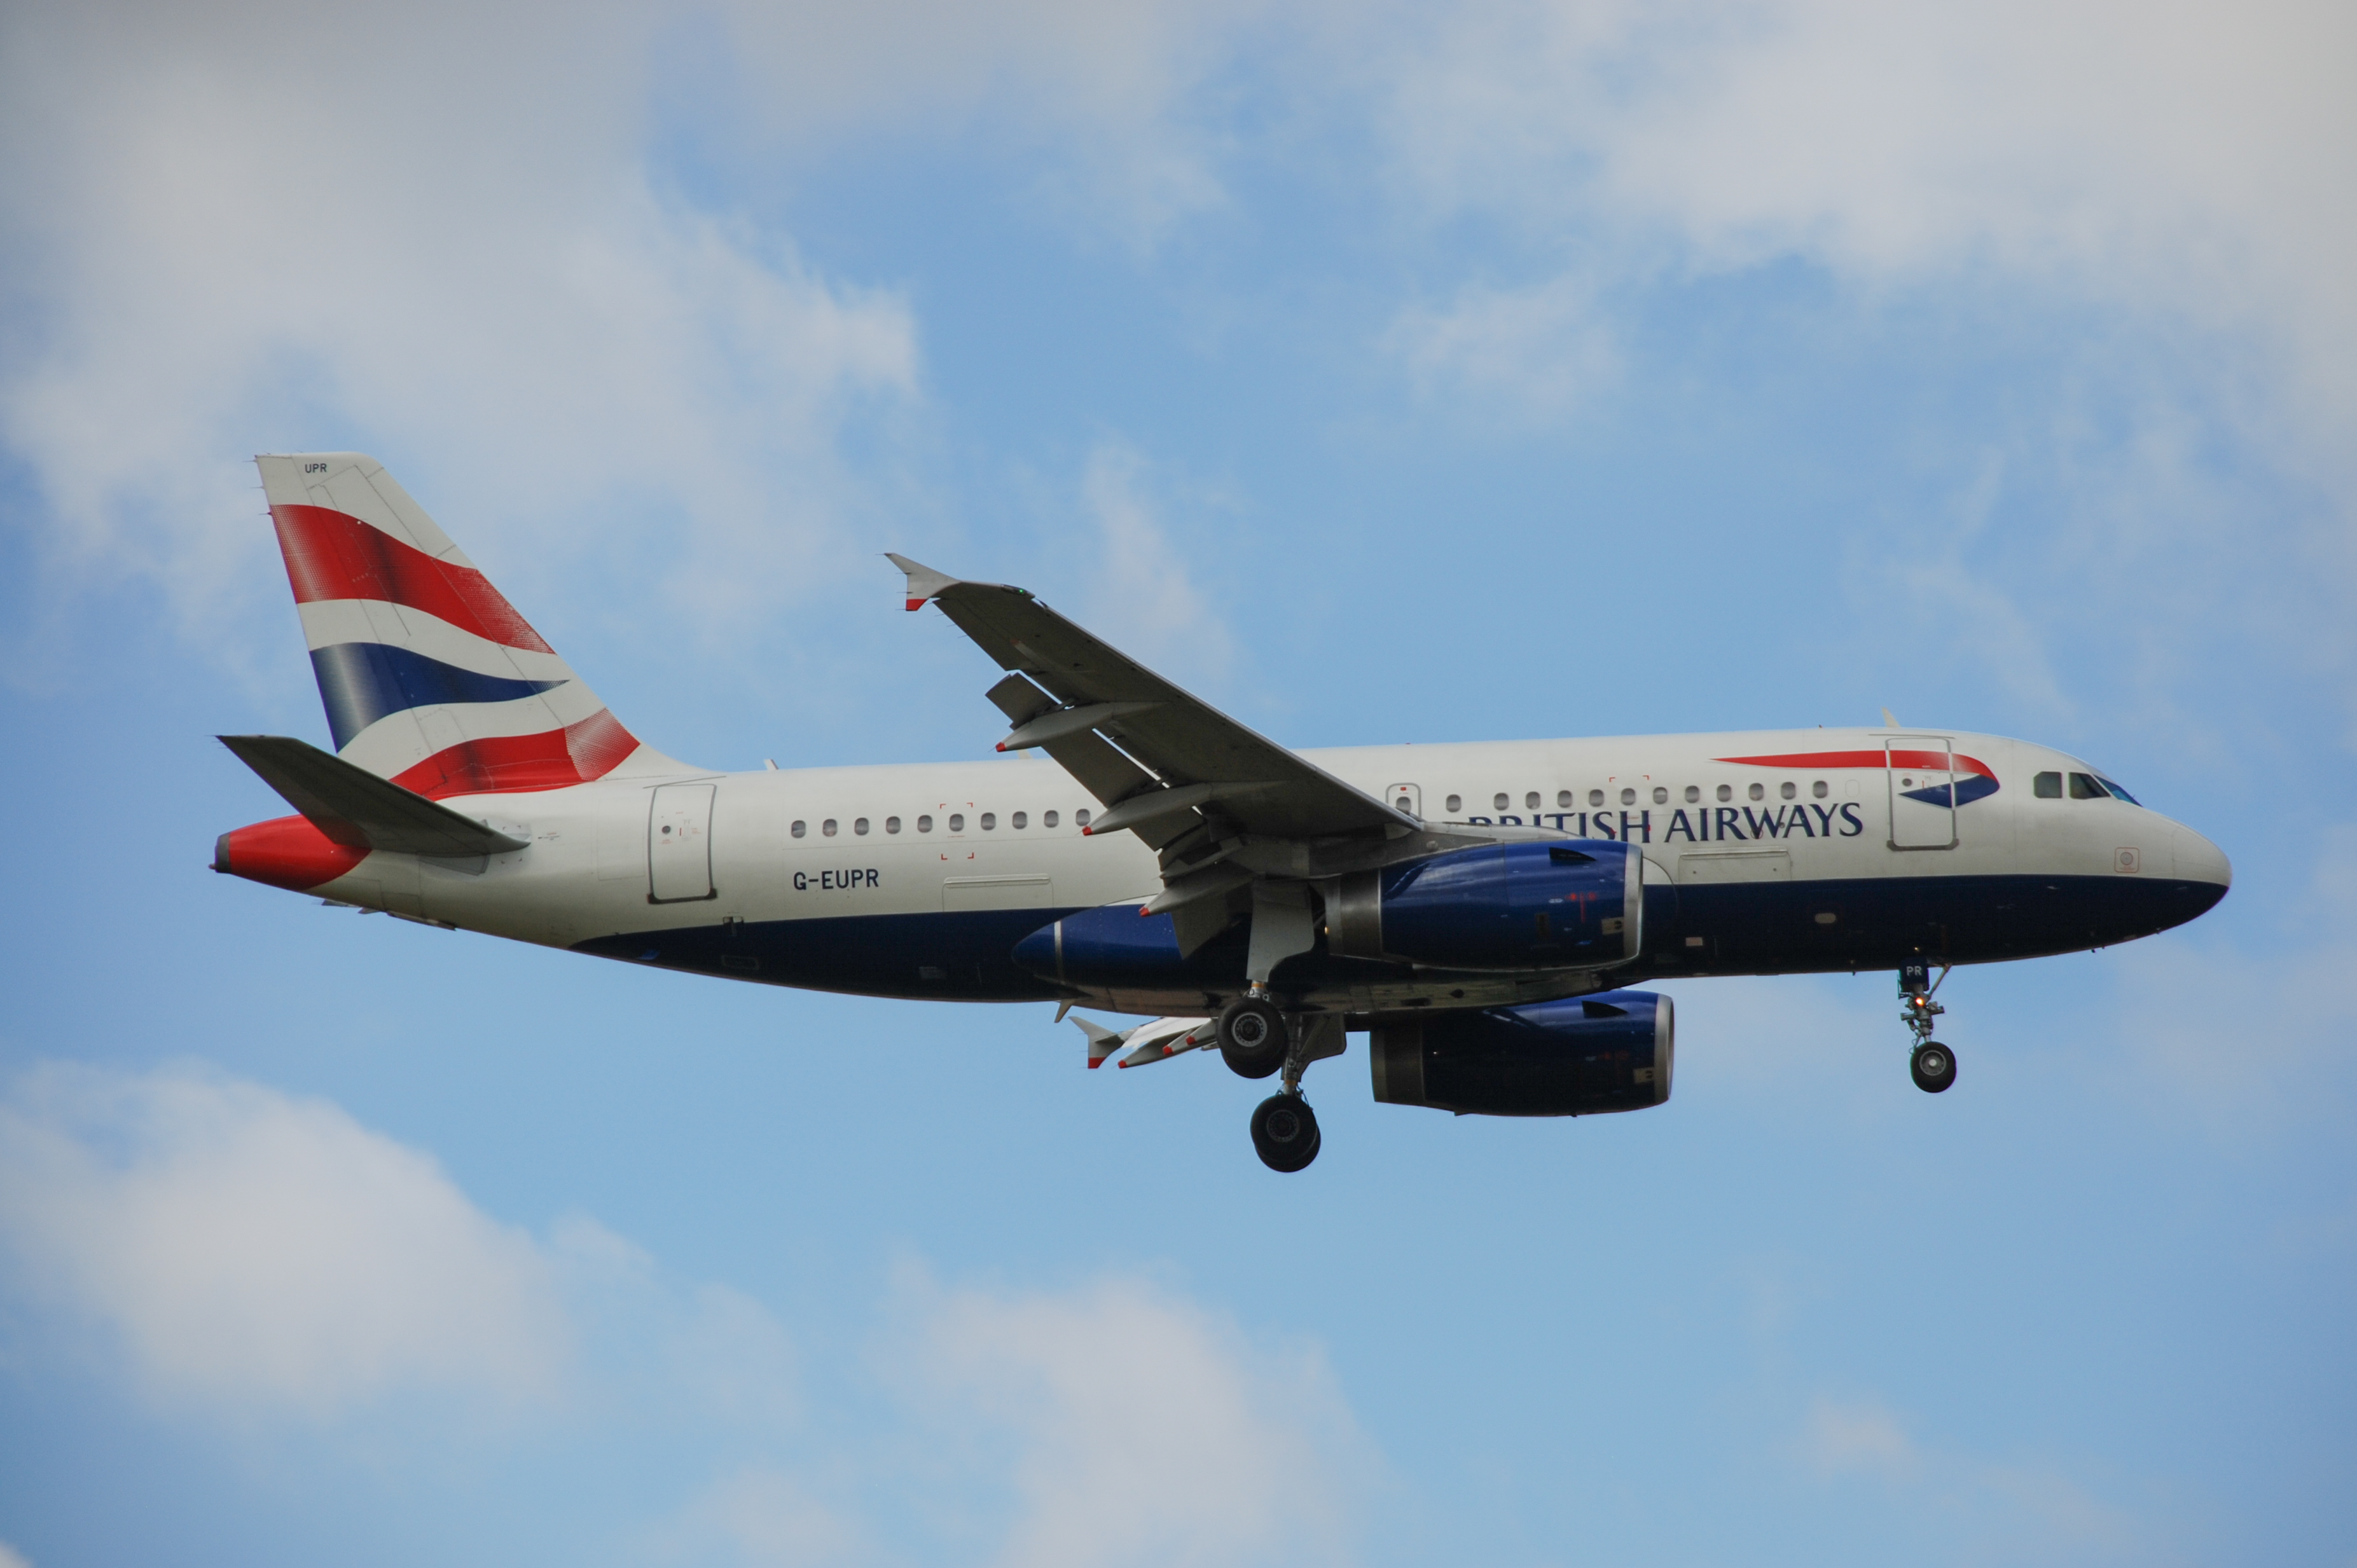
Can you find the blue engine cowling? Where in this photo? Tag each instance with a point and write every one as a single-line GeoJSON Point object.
{"type": "Point", "coordinates": [1580, 1057]}
{"type": "Point", "coordinates": [1514, 905]}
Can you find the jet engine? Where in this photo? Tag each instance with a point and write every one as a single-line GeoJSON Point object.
{"type": "Point", "coordinates": [1580, 1057]}
{"type": "Point", "coordinates": [1515, 905]}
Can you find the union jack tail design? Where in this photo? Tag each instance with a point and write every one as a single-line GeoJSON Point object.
{"type": "Point", "coordinates": [430, 677]}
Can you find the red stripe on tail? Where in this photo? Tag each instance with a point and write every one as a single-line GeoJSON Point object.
{"type": "Point", "coordinates": [334, 555]}
{"type": "Point", "coordinates": [513, 764]}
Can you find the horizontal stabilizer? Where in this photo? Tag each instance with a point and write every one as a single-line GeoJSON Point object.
{"type": "Point", "coordinates": [359, 810]}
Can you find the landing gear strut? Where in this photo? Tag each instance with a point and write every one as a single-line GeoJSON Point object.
{"type": "Point", "coordinates": [1932, 1064]}
{"type": "Point", "coordinates": [1284, 1128]}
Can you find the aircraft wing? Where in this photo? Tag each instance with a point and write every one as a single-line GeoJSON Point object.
{"type": "Point", "coordinates": [1163, 760]}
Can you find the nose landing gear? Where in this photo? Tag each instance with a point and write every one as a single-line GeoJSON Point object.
{"type": "Point", "coordinates": [1932, 1064]}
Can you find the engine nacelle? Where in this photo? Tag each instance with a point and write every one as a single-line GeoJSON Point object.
{"type": "Point", "coordinates": [1512, 906]}
{"type": "Point", "coordinates": [1580, 1057]}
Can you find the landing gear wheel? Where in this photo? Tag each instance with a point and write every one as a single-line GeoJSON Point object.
{"type": "Point", "coordinates": [1285, 1132]}
{"type": "Point", "coordinates": [1933, 1065]}
{"type": "Point", "coordinates": [1253, 1037]}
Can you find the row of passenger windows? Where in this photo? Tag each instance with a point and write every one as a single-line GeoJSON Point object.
{"type": "Point", "coordinates": [988, 822]}
{"type": "Point", "coordinates": [1568, 799]}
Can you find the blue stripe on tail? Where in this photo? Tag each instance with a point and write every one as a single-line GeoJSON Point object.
{"type": "Point", "coordinates": [363, 682]}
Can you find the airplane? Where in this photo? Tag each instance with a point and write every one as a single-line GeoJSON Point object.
{"type": "Point", "coordinates": [1483, 912]}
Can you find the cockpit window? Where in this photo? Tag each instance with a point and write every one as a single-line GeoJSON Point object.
{"type": "Point", "coordinates": [2117, 792]}
{"type": "Point", "coordinates": [2049, 786]}
{"type": "Point", "coordinates": [2084, 788]}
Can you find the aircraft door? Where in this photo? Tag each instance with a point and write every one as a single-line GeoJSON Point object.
{"type": "Point", "coordinates": [1921, 770]}
{"type": "Point", "coordinates": [679, 843]}
{"type": "Point", "coordinates": [1408, 798]}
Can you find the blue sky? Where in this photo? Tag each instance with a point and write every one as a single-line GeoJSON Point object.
{"type": "Point", "coordinates": [1414, 373]}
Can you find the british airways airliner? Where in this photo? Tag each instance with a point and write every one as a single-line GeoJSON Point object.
{"type": "Point", "coordinates": [1481, 912]}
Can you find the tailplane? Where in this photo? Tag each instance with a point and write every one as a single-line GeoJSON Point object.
{"type": "Point", "coordinates": [430, 677]}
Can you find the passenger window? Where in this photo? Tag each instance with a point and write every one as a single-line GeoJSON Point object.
{"type": "Point", "coordinates": [1694, 793]}
{"type": "Point", "coordinates": [1660, 795]}
{"type": "Point", "coordinates": [891, 824]}
{"type": "Point", "coordinates": [1726, 791]}
{"type": "Point", "coordinates": [2048, 786]}
{"type": "Point", "coordinates": [924, 824]}
{"type": "Point", "coordinates": [989, 821]}
{"type": "Point", "coordinates": [1499, 803]}
{"type": "Point", "coordinates": [1531, 802]}
{"type": "Point", "coordinates": [1596, 797]}
{"type": "Point", "coordinates": [1562, 798]}
{"type": "Point", "coordinates": [827, 827]}
{"type": "Point", "coordinates": [799, 829]}
{"type": "Point", "coordinates": [1047, 819]}
{"type": "Point", "coordinates": [860, 827]}
{"type": "Point", "coordinates": [1456, 803]}
{"type": "Point", "coordinates": [1018, 821]}
{"type": "Point", "coordinates": [1628, 797]}
{"type": "Point", "coordinates": [1788, 789]}
{"type": "Point", "coordinates": [1081, 818]}
{"type": "Point", "coordinates": [2084, 788]}
{"type": "Point", "coordinates": [957, 822]}
{"type": "Point", "coordinates": [1820, 789]}
{"type": "Point", "coordinates": [1757, 791]}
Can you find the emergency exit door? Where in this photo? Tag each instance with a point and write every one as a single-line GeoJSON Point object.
{"type": "Point", "coordinates": [679, 843]}
{"type": "Point", "coordinates": [1922, 787]}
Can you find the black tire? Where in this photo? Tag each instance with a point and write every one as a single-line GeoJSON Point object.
{"type": "Point", "coordinates": [1933, 1068]}
{"type": "Point", "coordinates": [1285, 1132]}
{"type": "Point", "coordinates": [1253, 1037]}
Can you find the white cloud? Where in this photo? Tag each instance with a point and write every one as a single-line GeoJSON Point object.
{"type": "Point", "coordinates": [2181, 160]}
{"type": "Point", "coordinates": [263, 227]}
{"type": "Point", "coordinates": [769, 1518]}
{"type": "Point", "coordinates": [1535, 353]}
{"type": "Point", "coordinates": [1994, 1509]}
{"type": "Point", "coordinates": [2244, 1044]}
{"type": "Point", "coordinates": [1134, 1426]}
{"type": "Point", "coordinates": [248, 230]}
{"type": "Point", "coordinates": [1841, 1436]}
{"type": "Point", "coordinates": [256, 1250]}
{"type": "Point", "coordinates": [1144, 587]}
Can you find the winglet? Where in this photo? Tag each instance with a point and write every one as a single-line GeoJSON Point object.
{"type": "Point", "coordinates": [1888, 721]}
{"type": "Point", "coordinates": [924, 582]}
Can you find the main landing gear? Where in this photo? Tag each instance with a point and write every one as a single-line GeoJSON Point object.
{"type": "Point", "coordinates": [1932, 1064]}
{"type": "Point", "coordinates": [1257, 1039]}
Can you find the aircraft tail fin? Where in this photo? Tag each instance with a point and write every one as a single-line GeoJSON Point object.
{"type": "Point", "coordinates": [430, 677]}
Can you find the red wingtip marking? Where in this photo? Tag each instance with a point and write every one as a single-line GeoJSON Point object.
{"type": "Point", "coordinates": [916, 604]}
{"type": "Point", "coordinates": [1000, 747]}
{"type": "Point", "coordinates": [1143, 912]}
{"type": "Point", "coordinates": [1086, 831]}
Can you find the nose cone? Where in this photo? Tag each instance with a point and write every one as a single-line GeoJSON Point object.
{"type": "Point", "coordinates": [2199, 860]}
